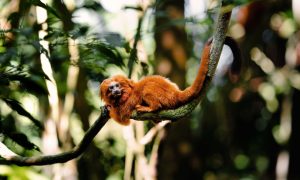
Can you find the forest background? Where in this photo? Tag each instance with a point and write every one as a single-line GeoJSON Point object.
{"type": "Point", "coordinates": [54, 54]}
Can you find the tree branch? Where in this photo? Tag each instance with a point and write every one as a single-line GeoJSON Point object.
{"type": "Point", "coordinates": [217, 46]}
{"type": "Point", "coordinates": [62, 157]}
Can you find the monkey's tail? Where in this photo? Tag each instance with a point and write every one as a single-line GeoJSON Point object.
{"type": "Point", "coordinates": [237, 56]}
{"type": "Point", "coordinates": [196, 87]}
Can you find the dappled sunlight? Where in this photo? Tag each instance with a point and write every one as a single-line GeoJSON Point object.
{"type": "Point", "coordinates": [237, 31]}
{"type": "Point", "coordinates": [260, 59]}
{"type": "Point", "coordinates": [282, 165]}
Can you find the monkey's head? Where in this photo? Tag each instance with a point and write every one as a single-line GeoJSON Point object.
{"type": "Point", "coordinates": [116, 89]}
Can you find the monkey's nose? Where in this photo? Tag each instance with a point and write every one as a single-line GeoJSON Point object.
{"type": "Point", "coordinates": [116, 92]}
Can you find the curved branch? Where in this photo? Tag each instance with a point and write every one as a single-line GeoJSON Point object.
{"type": "Point", "coordinates": [62, 157]}
{"type": "Point", "coordinates": [217, 46]}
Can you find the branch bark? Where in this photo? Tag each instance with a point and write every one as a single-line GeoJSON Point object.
{"type": "Point", "coordinates": [62, 157]}
{"type": "Point", "coordinates": [174, 114]}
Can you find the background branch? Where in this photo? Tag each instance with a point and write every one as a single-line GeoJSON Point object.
{"type": "Point", "coordinates": [133, 53]}
{"type": "Point", "coordinates": [62, 157]}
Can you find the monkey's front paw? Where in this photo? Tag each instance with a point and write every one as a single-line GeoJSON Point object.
{"type": "Point", "coordinates": [140, 108]}
{"type": "Point", "coordinates": [108, 107]}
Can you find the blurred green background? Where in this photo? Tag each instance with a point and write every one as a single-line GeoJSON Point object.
{"type": "Point", "coordinates": [54, 54]}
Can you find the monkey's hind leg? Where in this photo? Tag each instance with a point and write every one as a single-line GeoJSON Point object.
{"type": "Point", "coordinates": [141, 108]}
{"type": "Point", "coordinates": [151, 104]}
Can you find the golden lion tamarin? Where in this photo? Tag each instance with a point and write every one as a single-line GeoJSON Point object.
{"type": "Point", "coordinates": [151, 93]}
{"type": "Point", "coordinates": [122, 95]}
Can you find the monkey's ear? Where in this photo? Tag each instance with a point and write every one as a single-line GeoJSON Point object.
{"type": "Point", "coordinates": [130, 83]}
{"type": "Point", "coordinates": [103, 88]}
{"type": "Point", "coordinates": [101, 93]}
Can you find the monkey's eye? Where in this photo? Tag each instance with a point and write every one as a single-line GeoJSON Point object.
{"type": "Point", "coordinates": [117, 85]}
{"type": "Point", "coordinates": [110, 88]}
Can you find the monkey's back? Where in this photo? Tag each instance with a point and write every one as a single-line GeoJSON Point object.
{"type": "Point", "coordinates": [160, 89]}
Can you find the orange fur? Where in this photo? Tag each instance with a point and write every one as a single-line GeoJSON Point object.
{"type": "Point", "coordinates": [151, 93]}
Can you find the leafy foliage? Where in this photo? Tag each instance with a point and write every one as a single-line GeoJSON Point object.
{"type": "Point", "coordinates": [21, 72]}
{"type": "Point", "coordinates": [45, 6]}
{"type": "Point", "coordinates": [8, 129]}
{"type": "Point", "coordinates": [16, 106]}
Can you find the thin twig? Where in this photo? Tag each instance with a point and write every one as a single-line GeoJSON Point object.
{"type": "Point", "coordinates": [133, 53]}
{"type": "Point", "coordinates": [153, 131]}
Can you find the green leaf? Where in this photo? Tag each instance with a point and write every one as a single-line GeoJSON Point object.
{"type": "Point", "coordinates": [235, 2]}
{"type": "Point", "coordinates": [110, 53]}
{"type": "Point", "coordinates": [78, 32]}
{"type": "Point", "coordinates": [7, 124]}
{"type": "Point", "coordinates": [40, 73]}
{"type": "Point", "coordinates": [48, 8]}
{"type": "Point", "coordinates": [114, 39]}
{"type": "Point", "coordinates": [13, 17]}
{"type": "Point", "coordinates": [92, 5]}
{"type": "Point", "coordinates": [137, 8]}
{"type": "Point", "coordinates": [16, 106]}
{"type": "Point", "coordinates": [54, 34]}
{"type": "Point", "coordinates": [4, 81]}
{"type": "Point", "coordinates": [107, 52]}
{"type": "Point", "coordinates": [30, 83]}
{"type": "Point", "coordinates": [22, 140]}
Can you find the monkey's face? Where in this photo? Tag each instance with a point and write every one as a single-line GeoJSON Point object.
{"type": "Point", "coordinates": [116, 89]}
{"type": "Point", "coordinates": [110, 90]}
